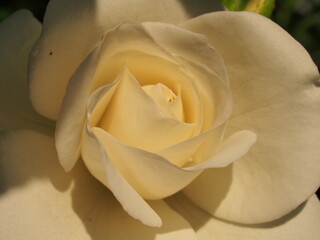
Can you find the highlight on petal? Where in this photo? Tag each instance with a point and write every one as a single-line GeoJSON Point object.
{"type": "Point", "coordinates": [71, 117]}
{"type": "Point", "coordinates": [38, 200]}
{"type": "Point", "coordinates": [302, 223]}
{"type": "Point", "coordinates": [272, 82]}
{"type": "Point", "coordinates": [18, 34]}
{"type": "Point", "coordinates": [60, 50]}
{"type": "Point", "coordinates": [229, 150]}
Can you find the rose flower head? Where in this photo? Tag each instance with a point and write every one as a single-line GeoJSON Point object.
{"type": "Point", "coordinates": [168, 107]}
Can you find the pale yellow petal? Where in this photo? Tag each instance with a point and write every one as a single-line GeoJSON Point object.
{"type": "Point", "coordinates": [72, 114]}
{"type": "Point", "coordinates": [134, 119]}
{"type": "Point", "coordinates": [73, 28]}
{"type": "Point", "coordinates": [127, 45]}
{"type": "Point", "coordinates": [18, 34]}
{"type": "Point", "coordinates": [151, 175]}
{"type": "Point", "coordinates": [39, 200]}
{"type": "Point", "coordinates": [103, 169]}
{"type": "Point", "coordinates": [272, 81]}
{"type": "Point", "coordinates": [228, 150]}
{"type": "Point", "coordinates": [204, 65]}
{"type": "Point", "coordinates": [166, 100]}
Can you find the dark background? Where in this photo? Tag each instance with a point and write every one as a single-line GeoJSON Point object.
{"type": "Point", "coordinates": [301, 18]}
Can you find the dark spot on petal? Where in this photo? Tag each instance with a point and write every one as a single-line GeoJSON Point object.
{"type": "Point", "coordinates": [50, 53]}
{"type": "Point", "coordinates": [317, 82]}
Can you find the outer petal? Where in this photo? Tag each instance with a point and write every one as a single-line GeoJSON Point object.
{"type": "Point", "coordinates": [301, 223]}
{"type": "Point", "coordinates": [18, 34]}
{"type": "Point", "coordinates": [40, 201]}
{"type": "Point", "coordinates": [272, 80]}
{"type": "Point", "coordinates": [61, 49]}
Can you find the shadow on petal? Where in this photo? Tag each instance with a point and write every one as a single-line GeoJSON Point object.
{"type": "Point", "coordinates": [26, 155]}
{"type": "Point", "coordinates": [197, 8]}
{"type": "Point", "coordinates": [279, 221]}
{"type": "Point", "coordinates": [103, 216]}
{"type": "Point", "coordinates": [215, 191]}
{"type": "Point", "coordinates": [273, 224]}
{"type": "Point", "coordinates": [317, 82]}
{"type": "Point", "coordinates": [301, 223]}
{"type": "Point", "coordinates": [39, 200]}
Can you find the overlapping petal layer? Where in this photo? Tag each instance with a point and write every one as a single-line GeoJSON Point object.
{"type": "Point", "coordinates": [202, 87]}
{"type": "Point", "coordinates": [38, 200]}
{"type": "Point", "coordinates": [128, 44]}
{"type": "Point", "coordinates": [38, 197]}
{"type": "Point", "coordinates": [61, 49]}
{"type": "Point", "coordinates": [132, 173]}
{"type": "Point", "coordinates": [18, 34]}
{"type": "Point", "coordinates": [141, 156]}
{"type": "Point", "coordinates": [272, 82]}
{"type": "Point", "coordinates": [133, 118]}
{"type": "Point", "coordinates": [26, 177]}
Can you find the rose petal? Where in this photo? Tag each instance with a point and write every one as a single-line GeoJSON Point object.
{"type": "Point", "coordinates": [40, 201]}
{"type": "Point", "coordinates": [166, 100]}
{"type": "Point", "coordinates": [229, 150]}
{"type": "Point", "coordinates": [100, 166]}
{"type": "Point", "coordinates": [18, 34]}
{"type": "Point", "coordinates": [189, 45]}
{"type": "Point", "coordinates": [134, 119]}
{"type": "Point", "coordinates": [61, 49]}
{"type": "Point", "coordinates": [271, 78]}
{"type": "Point", "coordinates": [301, 223]}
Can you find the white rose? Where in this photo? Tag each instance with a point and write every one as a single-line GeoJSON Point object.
{"type": "Point", "coordinates": [147, 110]}
{"type": "Point", "coordinates": [172, 82]}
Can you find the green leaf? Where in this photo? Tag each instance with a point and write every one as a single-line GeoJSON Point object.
{"type": "Point", "coordinates": [235, 5]}
{"type": "Point", "coordinates": [263, 7]}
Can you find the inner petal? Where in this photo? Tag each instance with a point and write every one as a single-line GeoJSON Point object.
{"type": "Point", "coordinates": [133, 117]}
{"type": "Point", "coordinates": [159, 90]}
{"type": "Point", "coordinates": [166, 100]}
{"type": "Point", "coordinates": [150, 70]}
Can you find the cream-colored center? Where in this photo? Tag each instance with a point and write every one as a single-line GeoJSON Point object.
{"type": "Point", "coordinates": [159, 90]}
{"type": "Point", "coordinates": [166, 100]}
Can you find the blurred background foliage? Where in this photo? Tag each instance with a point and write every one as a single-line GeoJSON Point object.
{"type": "Point", "coordinates": [263, 7]}
{"type": "Point", "coordinates": [37, 7]}
{"type": "Point", "coordinates": [301, 18]}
